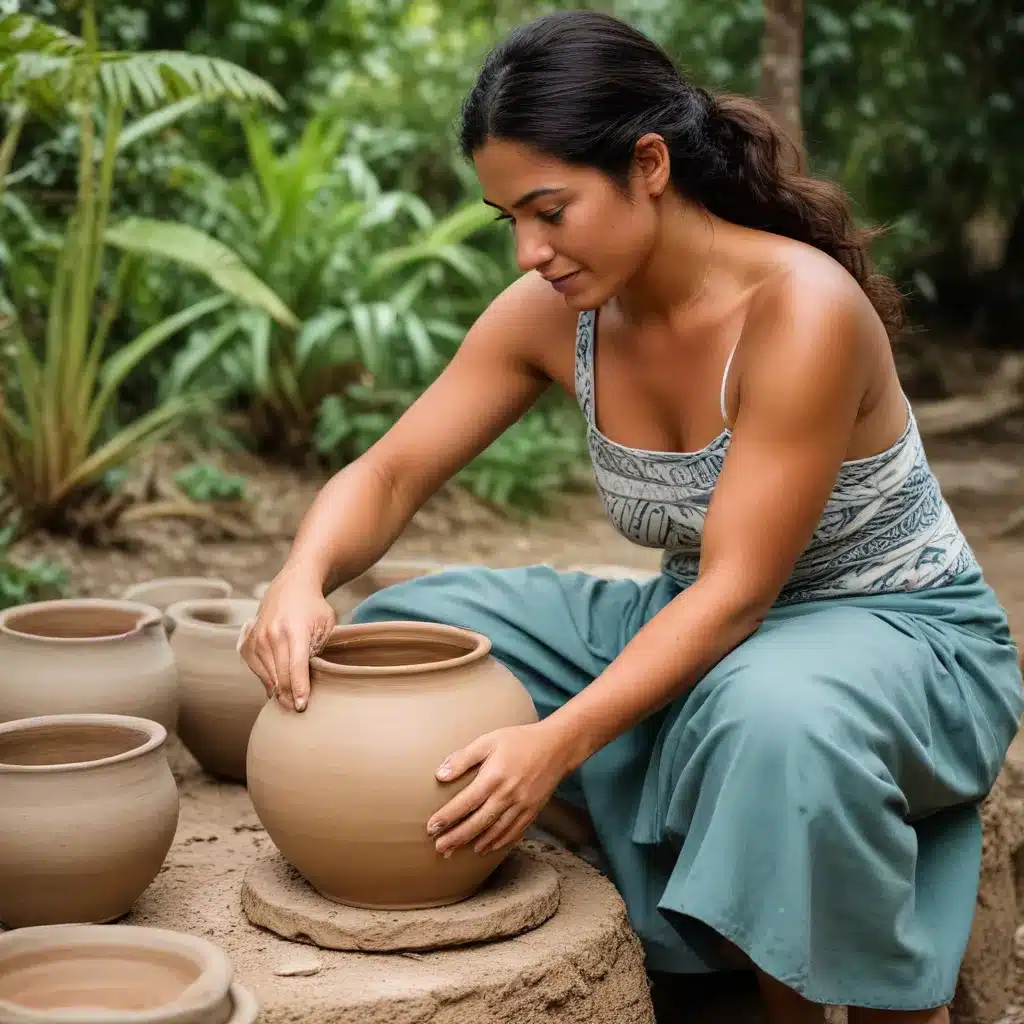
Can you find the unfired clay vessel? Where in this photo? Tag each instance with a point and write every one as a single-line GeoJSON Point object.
{"type": "Point", "coordinates": [112, 974]}
{"type": "Point", "coordinates": [88, 810]}
{"type": "Point", "coordinates": [80, 655]}
{"type": "Point", "coordinates": [386, 573]}
{"type": "Point", "coordinates": [220, 695]}
{"type": "Point", "coordinates": [167, 590]}
{"type": "Point", "coordinates": [345, 789]}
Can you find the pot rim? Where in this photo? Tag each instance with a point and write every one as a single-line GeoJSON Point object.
{"type": "Point", "coordinates": [216, 979]}
{"type": "Point", "coordinates": [159, 581]}
{"type": "Point", "coordinates": [156, 736]}
{"type": "Point", "coordinates": [402, 630]}
{"type": "Point", "coordinates": [148, 615]}
{"type": "Point", "coordinates": [182, 613]}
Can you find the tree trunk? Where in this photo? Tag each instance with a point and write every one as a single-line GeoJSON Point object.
{"type": "Point", "coordinates": [781, 64]}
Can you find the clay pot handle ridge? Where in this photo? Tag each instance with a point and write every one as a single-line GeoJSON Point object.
{"type": "Point", "coordinates": [153, 617]}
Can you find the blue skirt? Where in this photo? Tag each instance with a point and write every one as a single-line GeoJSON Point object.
{"type": "Point", "coordinates": [813, 799]}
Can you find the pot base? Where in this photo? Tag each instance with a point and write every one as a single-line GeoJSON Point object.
{"type": "Point", "coordinates": [521, 895]}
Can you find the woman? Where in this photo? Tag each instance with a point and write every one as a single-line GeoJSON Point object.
{"type": "Point", "coordinates": [783, 738]}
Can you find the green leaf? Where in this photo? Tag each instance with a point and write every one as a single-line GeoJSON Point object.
{"type": "Point", "coordinates": [193, 248]}
{"type": "Point", "coordinates": [156, 122]}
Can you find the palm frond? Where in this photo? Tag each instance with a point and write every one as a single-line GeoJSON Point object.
{"type": "Point", "coordinates": [193, 248]}
{"type": "Point", "coordinates": [164, 76]}
{"type": "Point", "coordinates": [148, 80]}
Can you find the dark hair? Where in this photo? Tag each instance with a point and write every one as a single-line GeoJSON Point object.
{"type": "Point", "coordinates": [583, 87]}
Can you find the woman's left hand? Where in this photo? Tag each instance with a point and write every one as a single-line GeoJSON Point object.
{"type": "Point", "coordinates": [520, 767]}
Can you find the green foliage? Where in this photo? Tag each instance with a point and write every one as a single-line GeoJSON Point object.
{"type": "Point", "coordinates": [375, 276]}
{"type": "Point", "coordinates": [56, 436]}
{"type": "Point", "coordinates": [202, 481]}
{"type": "Point", "coordinates": [21, 582]}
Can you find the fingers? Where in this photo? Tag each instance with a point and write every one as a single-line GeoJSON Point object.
{"type": "Point", "coordinates": [512, 834]}
{"type": "Point", "coordinates": [474, 796]}
{"type": "Point", "coordinates": [299, 653]}
{"type": "Point", "coordinates": [251, 654]}
{"type": "Point", "coordinates": [462, 760]}
{"type": "Point", "coordinates": [466, 831]}
{"type": "Point", "coordinates": [498, 829]}
{"type": "Point", "coordinates": [280, 654]}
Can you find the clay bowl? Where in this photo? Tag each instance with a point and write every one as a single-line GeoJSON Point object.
{"type": "Point", "coordinates": [113, 974]}
{"type": "Point", "coordinates": [386, 573]}
{"type": "Point", "coordinates": [86, 655]}
{"type": "Point", "coordinates": [88, 810]}
{"type": "Point", "coordinates": [164, 591]}
{"type": "Point", "coordinates": [345, 788]}
{"type": "Point", "coordinates": [220, 695]}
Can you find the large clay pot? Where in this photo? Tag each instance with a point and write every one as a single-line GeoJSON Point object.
{"type": "Point", "coordinates": [167, 590]}
{"type": "Point", "coordinates": [386, 573]}
{"type": "Point", "coordinates": [220, 695]}
{"type": "Point", "coordinates": [113, 974]}
{"type": "Point", "coordinates": [345, 788]}
{"type": "Point", "coordinates": [88, 810]}
{"type": "Point", "coordinates": [86, 655]}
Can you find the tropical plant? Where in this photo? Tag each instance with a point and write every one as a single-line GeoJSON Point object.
{"type": "Point", "coordinates": [382, 285]}
{"type": "Point", "coordinates": [57, 435]}
{"type": "Point", "coordinates": [21, 581]}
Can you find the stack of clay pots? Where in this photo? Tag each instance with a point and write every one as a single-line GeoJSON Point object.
{"type": "Point", "coordinates": [89, 692]}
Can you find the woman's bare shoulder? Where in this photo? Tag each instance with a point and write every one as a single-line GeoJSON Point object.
{"type": "Point", "coordinates": [527, 319]}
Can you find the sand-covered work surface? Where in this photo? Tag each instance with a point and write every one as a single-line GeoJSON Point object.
{"type": "Point", "coordinates": [583, 965]}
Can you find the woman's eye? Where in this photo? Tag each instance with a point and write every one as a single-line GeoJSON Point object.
{"type": "Point", "coordinates": [552, 217]}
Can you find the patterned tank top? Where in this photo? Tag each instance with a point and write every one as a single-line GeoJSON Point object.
{"type": "Point", "coordinates": [886, 526]}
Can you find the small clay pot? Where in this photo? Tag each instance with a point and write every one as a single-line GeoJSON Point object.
{"type": "Point", "coordinates": [345, 789]}
{"type": "Point", "coordinates": [89, 810]}
{"type": "Point", "coordinates": [167, 590]}
{"type": "Point", "coordinates": [113, 974]}
{"type": "Point", "coordinates": [86, 655]}
{"type": "Point", "coordinates": [220, 695]}
{"type": "Point", "coordinates": [386, 573]}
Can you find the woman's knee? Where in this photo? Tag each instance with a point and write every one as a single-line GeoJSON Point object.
{"type": "Point", "coordinates": [431, 598]}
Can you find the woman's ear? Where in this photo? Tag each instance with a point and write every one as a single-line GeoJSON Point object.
{"type": "Point", "coordinates": [652, 163]}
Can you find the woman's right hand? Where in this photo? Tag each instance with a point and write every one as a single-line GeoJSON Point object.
{"type": "Point", "coordinates": [293, 623]}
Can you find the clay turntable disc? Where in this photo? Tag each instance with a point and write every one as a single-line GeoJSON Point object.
{"type": "Point", "coordinates": [521, 895]}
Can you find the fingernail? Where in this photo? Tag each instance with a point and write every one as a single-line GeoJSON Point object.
{"type": "Point", "coordinates": [300, 704]}
{"type": "Point", "coordinates": [447, 854]}
{"type": "Point", "coordinates": [435, 829]}
{"type": "Point", "coordinates": [446, 768]}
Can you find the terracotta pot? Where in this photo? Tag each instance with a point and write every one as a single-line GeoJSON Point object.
{"type": "Point", "coordinates": [113, 974]}
{"type": "Point", "coordinates": [385, 573]}
{"type": "Point", "coordinates": [168, 590]}
{"type": "Point", "coordinates": [345, 788]}
{"type": "Point", "coordinates": [89, 809]}
{"type": "Point", "coordinates": [86, 655]}
{"type": "Point", "coordinates": [220, 695]}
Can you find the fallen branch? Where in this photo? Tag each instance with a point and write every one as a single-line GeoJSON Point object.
{"type": "Point", "coordinates": [950, 416]}
{"type": "Point", "coordinates": [962, 413]}
{"type": "Point", "coordinates": [185, 509]}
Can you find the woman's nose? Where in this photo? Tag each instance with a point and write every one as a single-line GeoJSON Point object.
{"type": "Point", "coordinates": [531, 251]}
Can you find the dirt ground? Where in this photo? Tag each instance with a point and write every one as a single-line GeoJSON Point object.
{"type": "Point", "coordinates": [983, 479]}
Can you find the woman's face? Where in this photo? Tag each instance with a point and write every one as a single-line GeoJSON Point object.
{"type": "Point", "coordinates": [571, 224]}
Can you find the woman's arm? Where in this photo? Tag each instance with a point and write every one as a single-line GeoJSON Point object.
{"type": "Point", "coordinates": [803, 380]}
{"type": "Point", "coordinates": [496, 375]}
{"type": "Point", "coordinates": [492, 380]}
